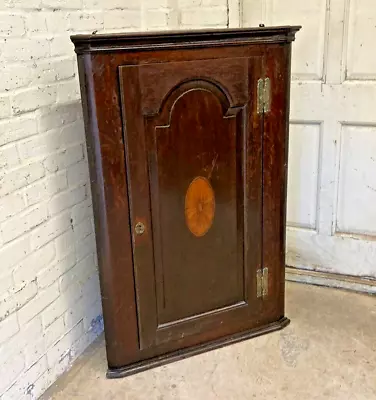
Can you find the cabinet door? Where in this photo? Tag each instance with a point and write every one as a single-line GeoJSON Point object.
{"type": "Point", "coordinates": [194, 162]}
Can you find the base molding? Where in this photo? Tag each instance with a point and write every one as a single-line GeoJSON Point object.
{"type": "Point", "coordinates": [144, 365]}
{"type": "Point", "coordinates": [347, 282]}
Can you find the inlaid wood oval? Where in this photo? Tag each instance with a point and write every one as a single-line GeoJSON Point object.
{"type": "Point", "coordinates": [199, 206]}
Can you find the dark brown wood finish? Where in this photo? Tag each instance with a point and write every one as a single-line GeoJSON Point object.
{"type": "Point", "coordinates": [173, 282]}
{"type": "Point", "coordinates": [164, 111]}
{"type": "Point", "coordinates": [275, 152]}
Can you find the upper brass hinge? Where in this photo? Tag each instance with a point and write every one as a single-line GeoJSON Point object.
{"type": "Point", "coordinates": [263, 95]}
{"type": "Point", "coordinates": [262, 282]}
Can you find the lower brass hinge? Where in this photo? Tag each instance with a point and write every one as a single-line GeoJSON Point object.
{"type": "Point", "coordinates": [262, 282]}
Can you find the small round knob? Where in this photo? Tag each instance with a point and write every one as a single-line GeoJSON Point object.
{"type": "Point", "coordinates": [262, 25]}
{"type": "Point", "coordinates": [139, 228]}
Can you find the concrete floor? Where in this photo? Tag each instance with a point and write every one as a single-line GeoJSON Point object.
{"type": "Point", "coordinates": [327, 352]}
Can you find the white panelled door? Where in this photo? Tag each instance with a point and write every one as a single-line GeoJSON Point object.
{"type": "Point", "coordinates": [332, 171]}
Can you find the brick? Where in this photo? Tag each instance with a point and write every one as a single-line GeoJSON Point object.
{"type": "Point", "coordinates": [50, 230]}
{"type": "Point", "coordinates": [45, 188]}
{"type": "Point", "coordinates": [91, 288]}
{"type": "Point", "coordinates": [34, 351]}
{"type": "Point", "coordinates": [111, 4]}
{"type": "Point", "coordinates": [26, 49]}
{"type": "Point", "coordinates": [36, 348]}
{"type": "Point", "coordinates": [13, 253]}
{"type": "Point", "coordinates": [82, 230]}
{"type": "Point", "coordinates": [9, 156]}
{"type": "Point", "coordinates": [6, 283]}
{"type": "Point", "coordinates": [40, 145]}
{"type": "Point", "coordinates": [68, 298]}
{"type": "Point", "coordinates": [66, 199]}
{"type": "Point", "coordinates": [24, 222]}
{"type": "Point", "coordinates": [57, 21]}
{"type": "Point", "coordinates": [80, 310]}
{"type": "Point", "coordinates": [11, 25]}
{"type": "Point", "coordinates": [160, 3]}
{"type": "Point", "coordinates": [5, 110]}
{"type": "Point", "coordinates": [82, 211]}
{"type": "Point", "coordinates": [36, 23]}
{"type": "Point", "coordinates": [20, 177]}
{"type": "Point", "coordinates": [16, 129]}
{"type": "Point", "coordinates": [32, 99]}
{"type": "Point", "coordinates": [11, 205]}
{"type": "Point", "coordinates": [42, 384]}
{"type": "Point", "coordinates": [160, 18]}
{"type": "Point", "coordinates": [62, 347]}
{"type": "Point", "coordinates": [78, 174]}
{"type": "Point", "coordinates": [82, 343]}
{"type": "Point", "coordinates": [27, 270]}
{"type": "Point", "coordinates": [93, 317]}
{"type": "Point", "coordinates": [80, 273]}
{"type": "Point", "coordinates": [25, 338]}
{"type": "Point", "coordinates": [17, 298]}
{"type": "Point", "coordinates": [64, 159]}
{"type": "Point", "coordinates": [72, 133]}
{"type": "Point", "coordinates": [29, 4]}
{"type": "Point", "coordinates": [64, 244]}
{"type": "Point", "coordinates": [49, 275]}
{"type": "Point", "coordinates": [64, 363]}
{"type": "Point", "coordinates": [15, 76]}
{"type": "Point", "coordinates": [38, 303]}
{"type": "Point", "coordinates": [11, 368]}
{"type": "Point", "coordinates": [52, 70]}
{"type": "Point", "coordinates": [75, 314]}
{"type": "Point", "coordinates": [54, 332]}
{"type": "Point", "coordinates": [85, 247]}
{"type": "Point", "coordinates": [28, 333]}
{"type": "Point", "coordinates": [121, 19]}
{"type": "Point", "coordinates": [68, 91]}
{"type": "Point", "coordinates": [26, 380]}
{"type": "Point", "coordinates": [212, 3]}
{"type": "Point", "coordinates": [57, 308]}
{"type": "Point", "coordinates": [189, 3]}
{"type": "Point", "coordinates": [204, 16]}
{"type": "Point", "coordinates": [56, 4]}
{"type": "Point", "coordinates": [61, 46]}
{"type": "Point", "coordinates": [83, 21]}
{"type": "Point", "coordinates": [8, 328]}
{"type": "Point", "coordinates": [58, 116]}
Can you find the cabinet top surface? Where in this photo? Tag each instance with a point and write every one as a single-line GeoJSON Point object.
{"type": "Point", "coordinates": [183, 39]}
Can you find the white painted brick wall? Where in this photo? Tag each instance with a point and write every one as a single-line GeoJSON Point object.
{"type": "Point", "coordinates": [50, 308]}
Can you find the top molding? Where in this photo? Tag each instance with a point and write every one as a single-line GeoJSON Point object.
{"type": "Point", "coordinates": [182, 39]}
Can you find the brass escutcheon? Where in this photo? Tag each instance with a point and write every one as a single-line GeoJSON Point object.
{"type": "Point", "coordinates": [139, 228]}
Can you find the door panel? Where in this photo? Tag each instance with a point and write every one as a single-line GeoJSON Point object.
{"type": "Point", "coordinates": [197, 169]}
{"type": "Point", "coordinates": [193, 147]}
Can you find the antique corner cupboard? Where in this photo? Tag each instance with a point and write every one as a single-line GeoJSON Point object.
{"type": "Point", "coordinates": [187, 137]}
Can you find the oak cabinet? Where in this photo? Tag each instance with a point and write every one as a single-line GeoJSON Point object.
{"type": "Point", "coordinates": [187, 138]}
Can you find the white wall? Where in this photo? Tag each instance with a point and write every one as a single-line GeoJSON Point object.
{"type": "Point", "coordinates": [49, 292]}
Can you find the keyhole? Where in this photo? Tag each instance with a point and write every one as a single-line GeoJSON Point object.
{"type": "Point", "coordinates": [139, 228]}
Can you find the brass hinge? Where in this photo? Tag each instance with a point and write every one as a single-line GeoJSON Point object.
{"type": "Point", "coordinates": [263, 95]}
{"type": "Point", "coordinates": [262, 282]}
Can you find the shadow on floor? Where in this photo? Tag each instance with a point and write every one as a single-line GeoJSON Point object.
{"type": "Point", "coordinates": [327, 352]}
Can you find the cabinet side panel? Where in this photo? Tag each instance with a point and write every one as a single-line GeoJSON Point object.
{"type": "Point", "coordinates": [105, 149]}
{"type": "Point", "coordinates": [275, 150]}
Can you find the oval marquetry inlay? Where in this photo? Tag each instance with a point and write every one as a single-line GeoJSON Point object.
{"type": "Point", "coordinates": [199, 206]}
